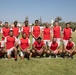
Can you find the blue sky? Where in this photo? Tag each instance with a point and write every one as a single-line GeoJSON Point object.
{"type": "Point", "coordinates": [11, 10]}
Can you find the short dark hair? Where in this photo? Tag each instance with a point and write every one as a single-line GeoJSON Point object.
{"type": "Point", "coordinates": [67, 23]}
{"type": "Point", "coordinates": [55, 21]}
{"type": "Point", "coordinates": [71, 38]}
{"type": "Point", "coordinates": [11, 31]}
{"type": "Point", "coordinates": [39, 38]}
{"type": "Point", "coordinates": [36, 20]}
{"type": "Point", "coordinates": [6, 22]}
{"type": "Point", "coordinates": [25, 21]}
{"type": "Point", "coordinates": [15, 22]}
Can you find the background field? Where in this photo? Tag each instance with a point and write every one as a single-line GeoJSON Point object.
{"type": "Point", "coordinates": [39, 66]}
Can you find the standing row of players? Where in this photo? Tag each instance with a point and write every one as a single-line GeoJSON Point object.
{"type": "Point", "coordinates": [48, 44]}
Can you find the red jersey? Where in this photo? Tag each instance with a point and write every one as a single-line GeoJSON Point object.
{"type": "Point", "coordinates": [24, 43]}
{"type": "Point", "coordinates": [57, 31]}
{"type": "Point", "coordinates": [37, 45]}
{"type": "Point", "coordinates": [67, 33]}
{"type": "Point", "coordinates": [10, 41]}
{"type": "Point", "coordinates": [53, 46]}
{"type": "Point", "coordinates": [26, 30]}
{"type": "Point", "coordinates": [5, 32]}
{"type": "Point", "coordinates": [70, 45]}
{"type": "Point", "coordinates": [46, 33]}
{"type": "Point", "coordinates": [36, 31]}
{"type": "Point", "coordinates": [16, 31]}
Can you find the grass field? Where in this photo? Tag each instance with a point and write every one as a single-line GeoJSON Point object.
{"type": "Point", "coordinates": [39, 66]}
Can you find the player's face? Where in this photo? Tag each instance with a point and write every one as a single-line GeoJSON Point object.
{"type": "Point", "coordinates": [56, 23]}
{"type": "Point", "coordinates": [47, 25]}
{"type": "Point", "coordinates": [70, 40]}
{"type": "Point", "coordinates": [6, 25]}
{"type": "Point", "coordinates": [26, 23]}
{"type": "Point", "coordinates": [39, 40]}
{"type": "Point", "coordinates": [24, 35]}
{"type": "Point", "coordinates": [36, 23]}
{"type": "Point", "coordinates": [54, 40]}
{"type": "Point", "coordinates": [11, 33]}
{"type": "Point", "coordinates": [15, 24]}
{"type": "Point", "coordinates": [67, 25]}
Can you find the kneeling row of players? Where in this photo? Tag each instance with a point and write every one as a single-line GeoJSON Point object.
{"type": "Point", "coordinates": [38, 47]}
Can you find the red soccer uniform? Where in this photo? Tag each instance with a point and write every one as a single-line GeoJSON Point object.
{"type": "Point", "coordinates": [53, 46]}
{"type": "Point", "coordinates": [36, 31]}
{"type": "Point", "coordinates": [16, 31]}
{"type": "Point", "coordinates": [5, 32]}
{"type": "Point", "coordinates": [67, 33]}
{"type": "Point", "coordinates": [37, 45]}
{"type": "Point", "coordinates": [24, 43]}
{"type": "Point", "coordinates": [26, 30]}
{"type": "Point", "coordinates": [70, 45]}
{"type": "Point", "coordinates": [10, 42]}
{"type": "Point", "coordinates": [57, 31]}
{"type": "Point", "coordinates": [46, 33]}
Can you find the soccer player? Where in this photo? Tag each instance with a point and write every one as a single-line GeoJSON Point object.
{"type": "Point", "coordinates": [5, 31]}
{"type": "Point", "coordinates": [57, 32]}
{"type": "Point", "coordinates": [47, 34]}
{"type": "Point", "coordinates": [24, 45]}
{"type": "Point", "coordinates": [38, 48]}
{"type": "Point", "coordinates": [36, 31]}
{"type": "Point", "coordinates": [53, 48]}
{"type": "Point", "coordinates": [10, 45]}
{"type": "Point", "coordinates": [67, 32]}
{"type": "Point", "coordinates": [16, 29]}
{"type": "Point", "coordinates": [26, 29]}
{"type": "Point", "coordinates": [69, 47]}
{"type": "Point", "coordinates": [2, 51]}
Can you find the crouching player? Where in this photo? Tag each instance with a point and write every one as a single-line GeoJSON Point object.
{"type": "Point", "coordinates": [53, 48]}
{"type": "Point", "coordinates": [38, 48]}
{"type": "Point", "coordinates": [10, 45]}
{"type": "Point", "coordinates": [24, 45]}
{"type": "Point", "coordinates": [70, 47]}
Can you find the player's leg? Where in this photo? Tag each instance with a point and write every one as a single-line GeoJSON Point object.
{"type": "Point", "coordinates": [34, 54]}
{"type": "Point", "coordinates": [15, 53]}
{"type": "Point", "coordinates": [21, 55]}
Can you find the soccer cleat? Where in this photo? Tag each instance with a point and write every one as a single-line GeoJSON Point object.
{"type": "Point", "coordinates": [15, 59]}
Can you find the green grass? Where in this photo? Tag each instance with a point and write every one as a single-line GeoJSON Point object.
{"type": "Point", "coordinates": [39, 66]}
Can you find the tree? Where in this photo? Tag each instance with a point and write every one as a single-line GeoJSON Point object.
{"type": "Point", "coordinates": [58, 18]}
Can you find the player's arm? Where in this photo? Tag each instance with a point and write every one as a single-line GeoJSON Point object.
{"type": "Point", "coordinates": [73, 48]}
{"type": "Point", "coordinates": [62, 35]}
{"type": "Point", "coordinates": [33, 46]}
{"type": "Point", "coordinates": [32, 33]}
{"type": "Point", "coordinates": [20, 46]}
{"type": "Point", "coordinates": [51, 34]}
{"type": "Point", "coordinates": [19, 32]}
{"type": "Point", "coordinates": [29, 44]}
{"type": "Point", "coordinates": [40, 33]}
{"type": "Point", "coordinates": [2, 33]}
